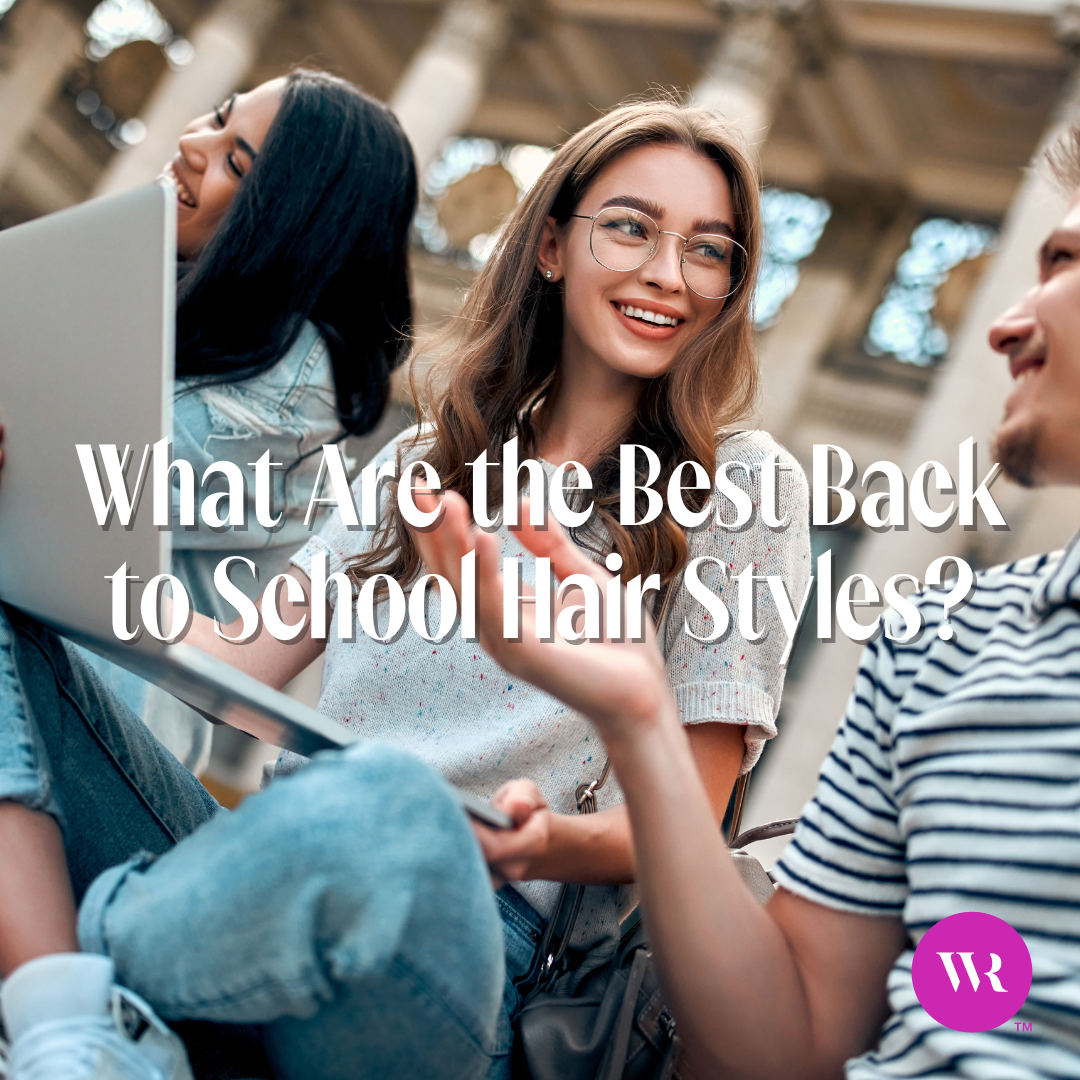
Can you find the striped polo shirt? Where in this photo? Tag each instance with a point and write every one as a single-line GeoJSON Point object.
{"type": "Point", "coordinates": [954, 785]}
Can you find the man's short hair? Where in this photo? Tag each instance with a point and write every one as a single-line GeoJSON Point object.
{"type": "Point", "coordinates": [1063, 157]}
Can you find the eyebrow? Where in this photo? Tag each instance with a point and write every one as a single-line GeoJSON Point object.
{"type": "Point", "coordinates": [655, 210]}
{"type": "Point", "coordinates": [721, 227]}
{"type": "Point", "coordinates": [646, 206]}
{"type": "Point", "coordinates": [241, 143]}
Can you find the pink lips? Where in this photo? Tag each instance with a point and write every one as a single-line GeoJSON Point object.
{"type": "Point", "coordinates": [178, 168]}
{"type": "Point", "coordinates": [648, 331]}
{"type": "Point", "coordinates": [1019, 364]}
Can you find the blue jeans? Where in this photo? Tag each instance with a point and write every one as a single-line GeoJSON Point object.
{"type": "Point", "coordinates": [346, 910]}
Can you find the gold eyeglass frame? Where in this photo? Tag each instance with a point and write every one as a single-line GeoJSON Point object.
{"type": "Point", "coordinates": [656, 247]}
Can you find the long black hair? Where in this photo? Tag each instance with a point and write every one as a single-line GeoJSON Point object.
{"type": "Point", "coordinates": [318, 229]}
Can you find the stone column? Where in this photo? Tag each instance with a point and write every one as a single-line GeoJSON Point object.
{"type": "Point", "coordinates": [1050, 519]}
{"type": "Point", "coordinates": [790, 350]}
{"type": "Point", "coordinates": [743, 81]}
{"type": "Point", "coordinates": [750, 68]}
{"type": "Point", "coordinates": [226, 43]}
{"type": "Point", "coordinates": [47, 40]}
{"type": "Point", "coordinates": [837, 281]}
{"type": "Point", "coordinates": [442, 85]}
{"type": "Point", "coordinates": [966, 401]}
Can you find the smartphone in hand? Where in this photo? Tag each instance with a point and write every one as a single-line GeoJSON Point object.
{"type": "Point", "coordinates": [483, 812]}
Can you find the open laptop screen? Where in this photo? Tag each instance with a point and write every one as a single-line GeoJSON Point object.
{"type": "Point", "coordinates": [87, 317]}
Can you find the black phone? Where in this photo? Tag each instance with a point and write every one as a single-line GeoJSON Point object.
{"type": "Point", "coordinates": [484, 812]}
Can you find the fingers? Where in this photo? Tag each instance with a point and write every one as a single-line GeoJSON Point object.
{"type": "Point", "coordinates": [487, 838]}
{"type": "Point", "coordinates": [511, 853]}
{"type": "Point", "coordinates": [553, 543]}
{"type": "Point", "coordinates": [606, 681]}
{"type": "Point", "coordinates": [489, 599]}
{"type": "Point", "coordinates": [483, 836]}
{"type": "Point", "coordinates": [442, 547]}
{"type": "Point", "coordinates": [520, 799]}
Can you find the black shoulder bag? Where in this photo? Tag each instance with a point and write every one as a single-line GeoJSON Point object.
{"type": "Point", "coordinates": [617, 1026]}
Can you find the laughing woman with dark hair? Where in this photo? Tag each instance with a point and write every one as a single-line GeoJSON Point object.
{"type": "Point", "coordinates": [312, 227]}
{"type": "Point", "coordinates": [294, 206]}
{"type": "Point", "coordinates": [294, 202]}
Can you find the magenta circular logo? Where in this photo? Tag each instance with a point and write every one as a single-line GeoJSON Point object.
{"type": "Point", "coordinates": [971, 971]}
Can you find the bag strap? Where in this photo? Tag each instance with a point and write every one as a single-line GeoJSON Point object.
{"type": "Point", "coordinates": [618, 1047]}
{"type": "Point", "coordinates": [764, 832]}
{"type": "Point", "coordinates": [737, 810]}
{"type": "Point", "coordinates": [561, 924]}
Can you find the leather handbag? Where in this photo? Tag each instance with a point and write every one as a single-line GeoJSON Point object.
{"type": "Point", "coordinates": [617, 1025]}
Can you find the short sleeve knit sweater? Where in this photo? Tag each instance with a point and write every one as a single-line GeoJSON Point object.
{"type": "Point", "coordinates": [451, 705]}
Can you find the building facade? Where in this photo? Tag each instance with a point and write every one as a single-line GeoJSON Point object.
{"type": "Point", "coordinates": [896, 138]}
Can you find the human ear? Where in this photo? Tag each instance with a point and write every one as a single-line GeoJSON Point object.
{"type": "Point", "coordinates": [549, 257]}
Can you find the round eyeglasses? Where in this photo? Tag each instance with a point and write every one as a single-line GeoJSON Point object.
{"type": "Point", "coordinates": [622, 239]}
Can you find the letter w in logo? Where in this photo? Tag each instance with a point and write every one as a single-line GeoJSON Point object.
{"type": "Point", "coordinates": [972, 974]}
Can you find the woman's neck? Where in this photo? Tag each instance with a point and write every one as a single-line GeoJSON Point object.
{"type": "Point", "coordinates": [589, 405]}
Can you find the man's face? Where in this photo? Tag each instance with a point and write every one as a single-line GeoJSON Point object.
{"type": "Point", "coordinates": [1038, 442]}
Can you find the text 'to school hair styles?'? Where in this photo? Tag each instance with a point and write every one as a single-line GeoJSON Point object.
{"type": "Point", "coordinates": [493, 385]}
{"type": "Point", "coordinates": [318, 230]}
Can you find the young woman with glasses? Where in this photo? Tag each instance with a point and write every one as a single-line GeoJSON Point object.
{"type": "Point", "coordinates": [616, 309]}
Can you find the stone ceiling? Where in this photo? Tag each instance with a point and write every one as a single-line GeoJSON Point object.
{"type": "Point", "coordinates": [943, 105]}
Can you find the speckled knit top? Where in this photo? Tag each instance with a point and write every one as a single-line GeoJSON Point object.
{"type": "Point", "coordinates": [452, 706]}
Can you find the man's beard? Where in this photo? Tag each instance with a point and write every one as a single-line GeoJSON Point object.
{"type": "Point", "coordinates": [1018, 451]}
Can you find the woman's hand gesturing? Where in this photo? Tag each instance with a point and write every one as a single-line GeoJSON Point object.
{"type": "Point", "coordinates": [620, 685]}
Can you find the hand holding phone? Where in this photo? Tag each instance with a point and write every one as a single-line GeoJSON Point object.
{"type": "Point", "coordinates": [481, 811]}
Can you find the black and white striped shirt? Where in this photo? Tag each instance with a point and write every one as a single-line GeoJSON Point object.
{"type": "Point", "coordinates": [954, 785]}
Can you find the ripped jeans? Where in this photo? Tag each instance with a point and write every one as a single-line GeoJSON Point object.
{"type": "Point", "coordinates": [345, 912]}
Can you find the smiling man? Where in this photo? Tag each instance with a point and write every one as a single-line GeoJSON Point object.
{"type": "Point", "coordinates": [1039, 440]}
{"type": "Point", "coordinates": [952, 786]}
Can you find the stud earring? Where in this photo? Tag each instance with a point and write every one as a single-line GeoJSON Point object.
{"type": "Point", "coordinates": [549, 274]}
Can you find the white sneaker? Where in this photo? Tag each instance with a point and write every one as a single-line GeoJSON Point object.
{"type": "Point", "coordinates": [131, 1043]}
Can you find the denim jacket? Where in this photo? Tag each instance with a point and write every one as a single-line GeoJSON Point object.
{"type": "Point", "coordinates": [291, 411]}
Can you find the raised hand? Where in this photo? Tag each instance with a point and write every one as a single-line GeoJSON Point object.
{"type": "Point", "coordinates": [614, 683]}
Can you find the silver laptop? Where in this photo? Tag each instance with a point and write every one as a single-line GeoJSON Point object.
{"type": "Point", "coordinates": [87, 337]}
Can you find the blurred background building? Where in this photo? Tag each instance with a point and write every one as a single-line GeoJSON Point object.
{"type": "Point", "coordinates": [895, 140]}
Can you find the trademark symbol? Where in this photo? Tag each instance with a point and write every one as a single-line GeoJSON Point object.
{"type": "Point", "coordinates": [1022, 1025]}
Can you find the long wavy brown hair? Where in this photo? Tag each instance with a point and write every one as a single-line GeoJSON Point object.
{"type": "Point", "coordinates": [493, 384]}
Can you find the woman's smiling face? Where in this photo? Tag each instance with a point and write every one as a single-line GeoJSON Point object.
{"type": "Point", "coordinates": [215, 153]}
{"type": "Point", "coordinates": [685, 192]}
